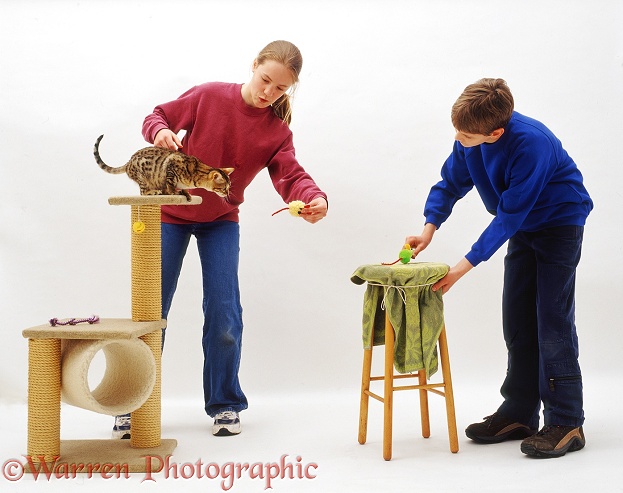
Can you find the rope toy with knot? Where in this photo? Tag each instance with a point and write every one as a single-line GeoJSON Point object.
{"type": "Point", "coordinates": [74, 321]}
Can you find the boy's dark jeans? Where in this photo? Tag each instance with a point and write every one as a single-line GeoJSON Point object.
{"type": "Point", "coordinates": [538, 308]}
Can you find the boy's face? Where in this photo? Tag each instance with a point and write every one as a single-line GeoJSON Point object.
{"type": "Point", "coordinates": [472, 140]}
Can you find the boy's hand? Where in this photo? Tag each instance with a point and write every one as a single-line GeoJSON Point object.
{"type": "Point", "coordinates": [419, 243]}
{"type": "Point", "coordinates": [453, 275]}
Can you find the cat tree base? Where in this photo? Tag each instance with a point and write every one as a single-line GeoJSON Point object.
{"type": "Point", "coordinates": [113, 458]}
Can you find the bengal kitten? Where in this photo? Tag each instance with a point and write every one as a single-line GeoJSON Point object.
{"type": "Point", "coordinates": [160, 171]}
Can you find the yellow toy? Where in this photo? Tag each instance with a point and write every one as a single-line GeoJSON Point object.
{"type": "Point", "coordinates": [138, 227]}
{"type": "Point", "coordinates": [404, 256]}
{"type": "Point", "coordinates": [295, 207]}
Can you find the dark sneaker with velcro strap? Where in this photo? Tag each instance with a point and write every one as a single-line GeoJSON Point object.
{"type": "Point", "coordinates": [554, 441]}
{"type": "Point", "coordinates": [496, 429]}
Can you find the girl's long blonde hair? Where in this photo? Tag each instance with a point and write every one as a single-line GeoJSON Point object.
{"type": "Point", "coordinates": [290, 57]}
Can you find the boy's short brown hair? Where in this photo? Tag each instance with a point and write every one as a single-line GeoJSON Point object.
{"type": "Point", "coordinates": [483, 107]}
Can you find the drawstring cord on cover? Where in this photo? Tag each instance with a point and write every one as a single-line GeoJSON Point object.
{"type": "Point", "coordinates": [400, 289]}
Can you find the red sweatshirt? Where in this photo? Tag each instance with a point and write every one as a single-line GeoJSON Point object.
{"type": "Point", "coordinates": [224, 132]}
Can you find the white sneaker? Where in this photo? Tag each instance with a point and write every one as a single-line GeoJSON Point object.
{"type": "Point", "coordinates": [121, 429]}
{"type": "Point", "coordinates": [226, 423]}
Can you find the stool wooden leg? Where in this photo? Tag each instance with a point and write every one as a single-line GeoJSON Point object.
{"type": "Point", "coordinates": [424, 416]}
{"type": "Point", "coordinates": [365, 398]}
{"type": "Point", "coordinates": [449, 395]}
{"type": "Point", "coordinates": [388, 395]}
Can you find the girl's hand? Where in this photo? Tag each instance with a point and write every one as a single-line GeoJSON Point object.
{"type": "Point", "coordinates": [167, 139]}
{"type": "Point", "coordinates": [315, 210]}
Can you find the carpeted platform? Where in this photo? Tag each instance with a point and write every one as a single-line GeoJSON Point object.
{"type": "Point", "coordinates": [106, 457]}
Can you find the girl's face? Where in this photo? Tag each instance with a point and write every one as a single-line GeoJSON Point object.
{"type": "Point", "coordinates": [269, 81]}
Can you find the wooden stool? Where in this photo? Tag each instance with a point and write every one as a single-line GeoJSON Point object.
{"type": "Point", "coordinates": [444, 388]}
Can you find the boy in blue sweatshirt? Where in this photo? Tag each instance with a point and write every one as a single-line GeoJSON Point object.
{"type": "Point", "coordinates": [536, 194]}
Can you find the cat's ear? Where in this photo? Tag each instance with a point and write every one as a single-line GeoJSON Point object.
{"type": "Point", "coordinates": [228, 171]}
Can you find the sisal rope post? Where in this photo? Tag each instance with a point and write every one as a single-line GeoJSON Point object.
{"type": "Point", "coordinates": [44, 399]}
{"type": "Point", "coordinates": [146, 420]}
{"type": "Point", "coordinates": [147, 306]}
{"type": "Point", "coordinates": [147, 298]}
{"type": "Point", "coordinates": [146, 265]}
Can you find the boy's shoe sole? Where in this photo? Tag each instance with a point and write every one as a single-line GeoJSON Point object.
{"type": "Point", "coordinates": [554, 441]}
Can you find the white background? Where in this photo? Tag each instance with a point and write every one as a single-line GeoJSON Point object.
{"type": "Point", "coordinates": [371, 125]}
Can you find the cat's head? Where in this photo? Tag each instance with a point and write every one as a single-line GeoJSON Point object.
{"type": "Point", "coordinates": [216, 180]}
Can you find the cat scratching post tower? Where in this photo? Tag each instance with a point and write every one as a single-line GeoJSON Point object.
{"type": "Point", "coordinates": [55, 352]}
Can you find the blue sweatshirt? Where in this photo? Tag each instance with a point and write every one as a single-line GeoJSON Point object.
{"type": "Point", "coordinates": [525, 178]}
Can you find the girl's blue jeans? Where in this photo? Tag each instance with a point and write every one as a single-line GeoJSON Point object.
{"type": "Point", "coordinates": [219, 250]}
{"type": "Point", "coordinates": [538, 311]}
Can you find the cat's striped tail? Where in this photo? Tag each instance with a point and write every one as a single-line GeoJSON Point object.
{"type": "Point", "coordinates": [102, 164]}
